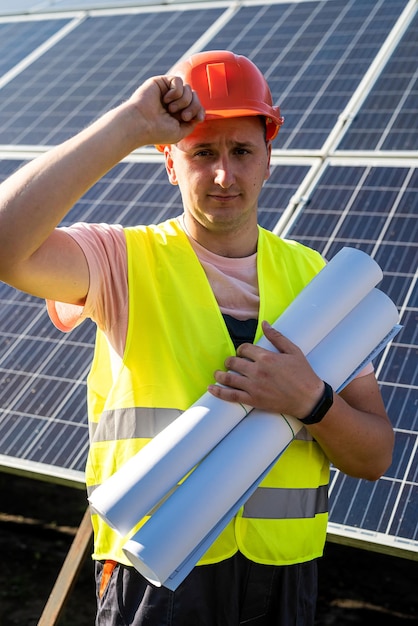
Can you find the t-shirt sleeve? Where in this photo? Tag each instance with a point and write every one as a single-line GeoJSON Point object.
{"type": "Point", "coordinates": [367, 369]}
{"type": "Point", "coordinates": [104, 247]}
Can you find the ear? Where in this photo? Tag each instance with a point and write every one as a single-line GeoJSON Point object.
{"type": "Point", "coordinates": [268, 147]}
{"type": "Point", "coordinates": [169, 165]}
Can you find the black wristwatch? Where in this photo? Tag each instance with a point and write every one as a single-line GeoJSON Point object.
{"type": "Point", "coordinates": [320, 410]}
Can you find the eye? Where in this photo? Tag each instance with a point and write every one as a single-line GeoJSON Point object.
{"type": "Point", "coordinates": [241, 151]}
{"type": "Point", "coordinates": [203, 152]}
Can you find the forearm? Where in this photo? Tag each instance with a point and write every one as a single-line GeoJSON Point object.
{"type": "Point", "coordinates": [36, 198]}
{"type": "Point", "coordinates": [357, 440]}
{"type": "Point", "coordinates": [355, 433]}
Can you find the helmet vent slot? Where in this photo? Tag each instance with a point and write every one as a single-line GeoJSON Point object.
{"type": "Point", "coordinates": [218, 86]}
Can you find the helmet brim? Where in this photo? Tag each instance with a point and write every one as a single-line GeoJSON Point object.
{"type": "Point", "coordinates": [273, 123]}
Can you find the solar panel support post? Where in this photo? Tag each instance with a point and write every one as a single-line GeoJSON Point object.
{"type": "Point", "coordinates": [68, 574]}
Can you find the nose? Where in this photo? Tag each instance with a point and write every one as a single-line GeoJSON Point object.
{"type": "Point", "coordinates": [224, 175]}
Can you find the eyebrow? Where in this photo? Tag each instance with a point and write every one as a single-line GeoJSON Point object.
{"type": "Point", "coordinates": [209, 144]}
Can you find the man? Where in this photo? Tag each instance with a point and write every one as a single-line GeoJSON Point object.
{"type": "Point", "coordinates": [171, 303]}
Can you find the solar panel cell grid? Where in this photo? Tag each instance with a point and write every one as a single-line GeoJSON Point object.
{"type": "Point", "coordinates": [325, 48]}
{"type": "Point", "coordinates": [387, 120]}
{"type": "Point", "coordinates": [55, 443]}
{"type": "Point", "coordinates": [93, 68]}
{"type": "Point", "coordinates": [374, 500]}
{"type": "Point", "coordinates": [356, 206]}
{"type": "Point", "coordinates": [403, 525]}
{"type": "Point", "coordinates": [399, 368]}
{"type": "Point", "coordinates": [19, 39]}
{"type": "Point", "coordinates": [400, 403]}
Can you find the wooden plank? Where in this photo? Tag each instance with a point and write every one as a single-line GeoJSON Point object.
{"type": "Point", "coordinates": [68, 574]}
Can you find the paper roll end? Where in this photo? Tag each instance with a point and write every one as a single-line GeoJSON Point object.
{"type": "Point", "coordinates": [96, 509]}
{"type": "Point", "coordinates": [132, 550]}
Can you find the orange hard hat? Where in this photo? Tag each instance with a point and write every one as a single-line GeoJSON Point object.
{"type": "Point", "coordinates": [229, 85]}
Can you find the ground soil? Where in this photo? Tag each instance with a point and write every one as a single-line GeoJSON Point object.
{"type": "Point", "coordinates": [38, 521]}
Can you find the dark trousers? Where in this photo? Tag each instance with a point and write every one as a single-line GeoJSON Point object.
{"type": "Point", "coordinates": [233, 592]}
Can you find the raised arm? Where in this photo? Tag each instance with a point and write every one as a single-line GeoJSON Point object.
{"type": "Point", "coordinates": [37, 258]}
{"type": "Point", "coordinates": [355, 433]}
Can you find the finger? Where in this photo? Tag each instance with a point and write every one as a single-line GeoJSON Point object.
{"type": "Point", "coordinates": [174, 89]}
{"type": "Point", "coordinates": [188, 107]}
{"type": "Point", "coordinates": [247, 351]}
{"type": "Point", "coordinates": [243, 364]}
{"type": "Point", "coordinates": [231, 379]}
{"type": "Point", "coordinates": [279, 341]}
{"type": "Point", "coordinates": [181, 97]}
{"type": "Point", "coordinates": [195, 111]}
{"type": "Point", "coordinates": [229, 394]}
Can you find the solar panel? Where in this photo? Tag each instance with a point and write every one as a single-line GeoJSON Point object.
{"type": "Point", "coordinates": [95, 67]}
{"type": "Point", "coordinates": [19, 39]}
{"type": "Point", "coordinates": [374, 208]}
{"type": "Point", "coordinates": [18, 6]}
{"type": "Point", "coordinates": [313, 71]}
{"type": "Point", "coordinates": [314, 56]}
{"type": "Point", "coordinates": [387, 120]}
{"type": "Point", "coordinates": [317, 56]}
{"type": "Point", "coordinates": [34, 6]}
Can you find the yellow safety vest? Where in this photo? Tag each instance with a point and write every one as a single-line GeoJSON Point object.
{"type": "Point", "coordinates": [176, 339]}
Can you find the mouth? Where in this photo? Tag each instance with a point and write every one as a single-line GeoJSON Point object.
{"type": "Point", "coordinates": [223, 197]}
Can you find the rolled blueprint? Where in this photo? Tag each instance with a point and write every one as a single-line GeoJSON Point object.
{"type": "Point", "coordinates": [136, 488]}
{"type": "Point", "coordinates": [180, 531]}
{"type": "Point", "coordinates": [171, 542]}
{"type": "Point", "coordinates": [327, 299]}
{"type": "Point", "coordinates": [352, 343]}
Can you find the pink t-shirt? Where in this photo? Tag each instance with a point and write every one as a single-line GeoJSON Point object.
{"type": "Point", "coordinates": [107, 300]}
{"type": "Point", "coordinates": [233, 280]}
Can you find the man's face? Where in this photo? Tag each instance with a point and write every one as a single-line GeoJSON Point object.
{"type": "Point", "coordinates": [220, 169]}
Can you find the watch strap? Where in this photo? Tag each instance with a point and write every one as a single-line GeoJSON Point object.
{"type": "Point", "coordinates": [321, 407]}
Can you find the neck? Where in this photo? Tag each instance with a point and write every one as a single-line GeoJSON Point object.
{"type": "Point", "coordinates": [233, 244]}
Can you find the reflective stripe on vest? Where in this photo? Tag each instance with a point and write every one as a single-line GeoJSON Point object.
{"type": "Point", "coordinates": [267, 503]}
{"type": "Point", "coordinates": [131, 423]}
{"type": "Point", "coordinates": [143, 423]}
{"type": "Point", "coordinates": [273, 503]}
